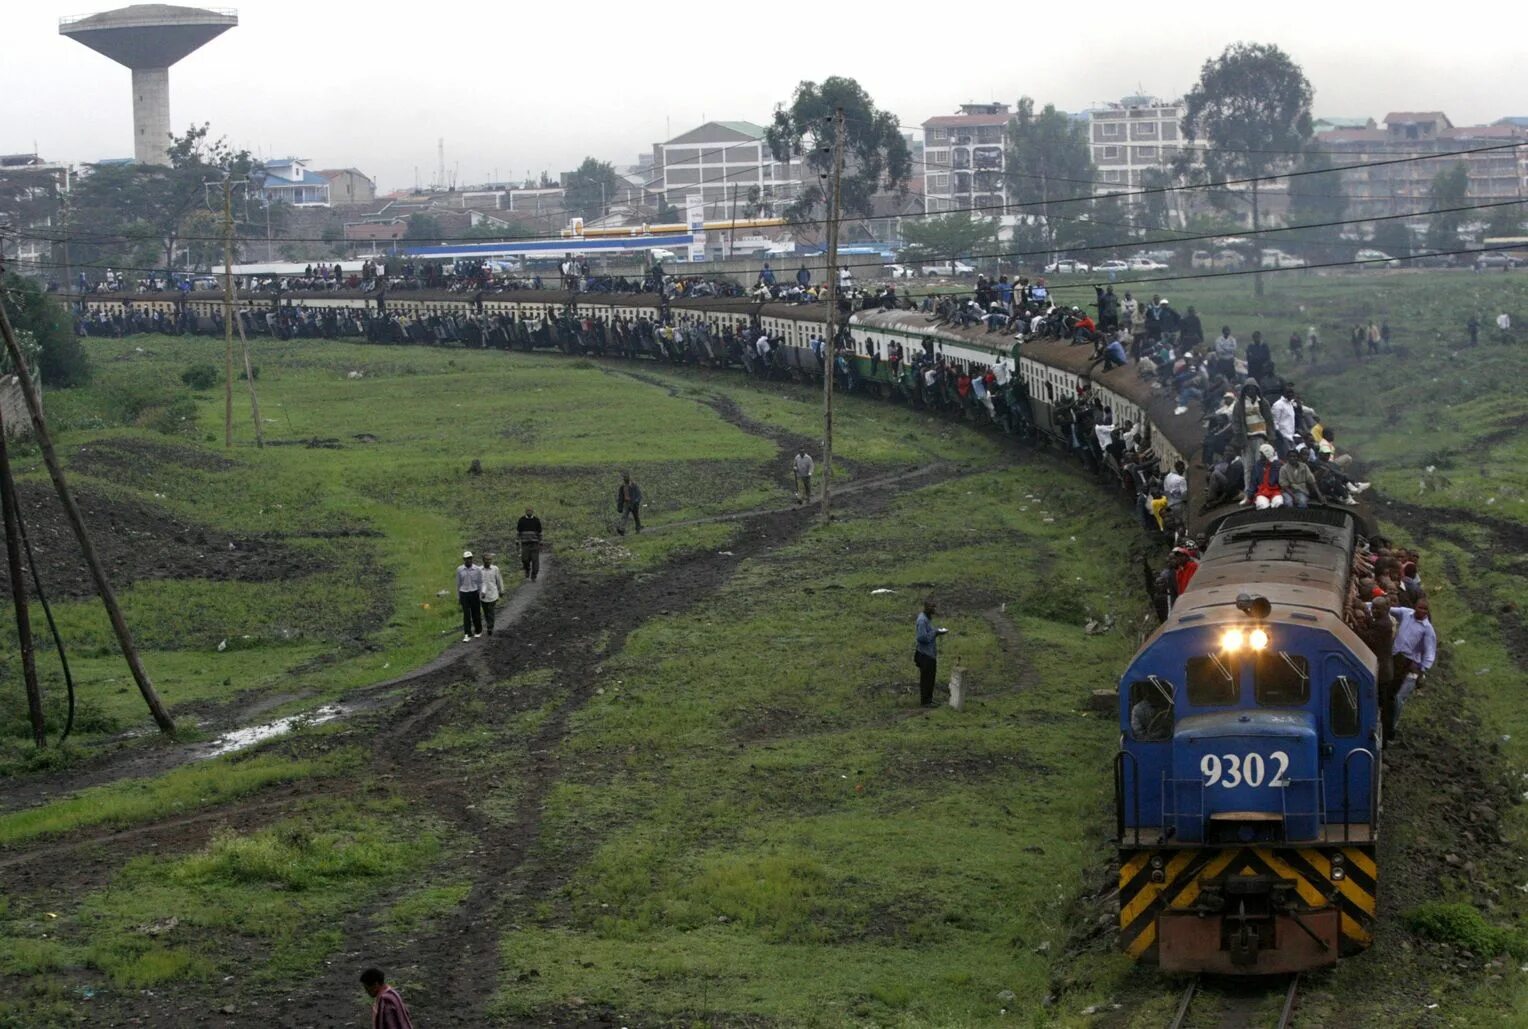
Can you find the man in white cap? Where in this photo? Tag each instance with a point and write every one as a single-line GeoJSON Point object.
{"type": "Point", "coordinates": [469, 586]}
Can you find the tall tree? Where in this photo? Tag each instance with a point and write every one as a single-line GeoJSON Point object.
{"type": "Point", "coordinates": [591, 188]}
{"type": "Point", "coordinates": [135, 215]}
{"type": "Point", "coordinates": [1316, 199]}
{"type": "Point", "coordinates": [1450, 188]}
{"type": "Point", "coordinates": [1251, 106]}
{"type": "Point", "coordinates": [876, 156]}
{"type": "Point", "coordinates": [1507, 221]}
{"type": "Point", "coordinates": [1049, 167]}
{"type": "Point", "coordinates": [947, 237]}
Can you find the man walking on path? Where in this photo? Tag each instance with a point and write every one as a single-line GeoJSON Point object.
{"type": "Point", "coordinates": [926, 653]}
{"type": "Point", "coordinates": [528, 530]}
{"type": "Point", "coordinates": [492, 589]}
{"type": "Point", "coordinates": [387, 1008]}
{"type": "Point", "coordinates": [803, 466]}
{"type": "Point", "coordinates": [469, 586]}
{"type": "Point", "coordinates": [628, 503]}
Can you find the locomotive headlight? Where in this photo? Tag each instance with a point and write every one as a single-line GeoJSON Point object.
{"type": "Point", "coordinates": [1232, 640]}
{"type": "Point", "coordinates": [1258, 639]}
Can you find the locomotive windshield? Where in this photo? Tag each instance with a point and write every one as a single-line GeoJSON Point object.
{"type": "Point", "coordinates": [1211, 680]}
{"type": "Point", "coordinates": [1280, 679]}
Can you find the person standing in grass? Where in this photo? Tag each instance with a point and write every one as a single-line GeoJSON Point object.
{"type": "Point", "coordinates": [628, 503]}
{"type": "Point", "coordinates": [528, 531]}
{"type": "Point", "coordinates": [387, 1008]}
{"type": "Point", "coordinates": [926, 652]}
{"type": "Point", "coordinates": [490, 591]}
{"type": "Point", "coordinates": [803, 467]}
{"type": "Point", "coordinates": [469, 585]}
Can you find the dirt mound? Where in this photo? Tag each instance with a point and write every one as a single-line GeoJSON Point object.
{"type": "Point", "coordinates": [138, 541]}
{"type": "Point", "coordinates": [135, 458]}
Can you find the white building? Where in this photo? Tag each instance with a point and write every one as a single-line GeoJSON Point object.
{"type": "Point", "coordinates": [290, 181]}
{"type": "Point", "coordinates": [963, 160]}
{"type": "Point", "coordinates": [1128, 137]}
{"type": "Point", "coordinates": [724, 162]}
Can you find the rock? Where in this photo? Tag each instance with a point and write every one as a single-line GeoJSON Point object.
{"type": "Point", "coordinates": [1451, 860]}
{"type": "Point", "coordinates": [1007, 997]}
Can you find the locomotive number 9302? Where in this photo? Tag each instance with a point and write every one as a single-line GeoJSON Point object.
{"type": "Point", "coordinates": [1233, 770]}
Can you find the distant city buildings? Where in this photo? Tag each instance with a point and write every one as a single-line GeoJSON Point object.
{"type": "Point", "coordinates": [30, 188]}
{"type": "Point", "coordinates": [288, 180]}
{"type": "Point", "coordinates": [1131, 136]}
{"type": "Point", "coordinates": [729, 164]}
{"type": "Point", "coordinates": [349, 186]}
{"type": "Point", "coordinates": [963, 160]}
{"type": "Point", "coordinates": [1497, 170]}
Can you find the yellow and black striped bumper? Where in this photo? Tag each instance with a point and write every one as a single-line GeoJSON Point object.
{"type": "Point", "coordinates": [1171, 885]}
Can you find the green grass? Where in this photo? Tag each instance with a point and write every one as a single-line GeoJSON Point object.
{"type": "Point", "coordinates": [189, 788]}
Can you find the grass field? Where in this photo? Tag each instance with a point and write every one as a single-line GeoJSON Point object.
{"type": "Point", "coordinates": [693, 787]}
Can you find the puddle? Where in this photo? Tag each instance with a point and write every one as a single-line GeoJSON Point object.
{"type": "Point", "coordinates": [241, 739]}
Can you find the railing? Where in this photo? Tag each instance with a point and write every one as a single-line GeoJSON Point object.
{"type": "Point", "coordinates": [1119, 796]}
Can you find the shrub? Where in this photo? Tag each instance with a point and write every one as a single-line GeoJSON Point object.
{"type": "Point", "coordinates": [1463, 926]}
{"type": "Point", "coordinates": [178, 416]}
{"type": "Point", "coordinates": [62, 360]}
{"type": "Point", "coordinates": [200, 376]}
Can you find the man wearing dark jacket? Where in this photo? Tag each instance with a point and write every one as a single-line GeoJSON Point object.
{"type": "Point", "coordinates": [528, 532]}
{"type": "Point", "coordinates": [1191, 330]}
{"type": "Point", "coordinates": [628, 503]}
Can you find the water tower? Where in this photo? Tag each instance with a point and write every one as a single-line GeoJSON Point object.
{"type": "Point", "coordinates": [148, 38]}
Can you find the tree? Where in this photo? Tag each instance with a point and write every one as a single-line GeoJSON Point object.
{"type": "Point", "coordinates": [424, 228]}
{"type": "Point", "coordinates": [590, 188]}
{"type": "Point", "coordinates": [60, 359]}
{"type": "Point", "coordinates": [947, 237]}
{"type": "Point", "coordinates": [1251, 106]}
{"type": "Point", "coordinates": [1507, 221]}
{"type": "Point", "coordinates": [1450, 188]}
{"type": "Point", "coordinates": [1390, 237]}
{"type": "Point", "coordinates": [135, 215]}
{"type": "Point", "coordinates": [1049, 167]}
{"type": "Point", "coordinates": [876, 156]}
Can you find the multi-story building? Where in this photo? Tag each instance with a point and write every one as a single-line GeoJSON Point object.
{"type": "Point", "coordinates": [723, 162]}
{"type": "Point", "coordinates": [963, 160]}
{"type": "Point", "coordinates": [349, 186]}
{"type": "Point", "coordinates": [31, 192]}
{"type": "Point", "coordinates": [1497, 170]}
{"type": "Point", "coordinates": [1128, 137]}
{"type": "Point", "coordinates": [290, 181]}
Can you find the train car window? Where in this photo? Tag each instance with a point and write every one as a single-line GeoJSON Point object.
{"type": "Point", "coordinates": [1211, 681]}
{"type": "Point", "coordinates": [1343, 716]}
{"type": "Point", "coordinates": [1280, 679]}
{"type": "Point", "coordinates": [1151, 709]}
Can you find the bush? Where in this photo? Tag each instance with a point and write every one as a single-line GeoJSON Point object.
{"type": "Point", "coordinates": [62, 361]}
{"type": "Point", "coordinates": [178, 416]}
{"type": "Point", "coordinates": [254, 372]}
{"type": "Point", "coordinates": [200, 376]}
{"type": "Point", "coordinates": [1462, 926]}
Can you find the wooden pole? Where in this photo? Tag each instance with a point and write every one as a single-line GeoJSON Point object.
{"type": "Point", "coordinates": [19, 601]}
{"type": "Point", "coordinates": [831, 349]}
{"type": "Point", "coordinates": [254, 399]}
{"type": "Point", "coordinates": [77, 523]}
{"type": "Point", "coordinates": [227, 311]}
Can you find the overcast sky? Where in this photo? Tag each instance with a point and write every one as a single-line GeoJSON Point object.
{"type": "Point", "coordinates": [518, 88]}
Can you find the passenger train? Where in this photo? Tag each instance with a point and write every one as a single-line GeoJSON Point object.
{"type": "Point", "coordinates": [1247, 781]}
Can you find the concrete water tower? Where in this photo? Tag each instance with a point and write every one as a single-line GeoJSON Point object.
{"type": "Point", "coordinates": [148, 38]}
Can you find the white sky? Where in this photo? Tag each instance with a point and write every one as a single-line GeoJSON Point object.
{"type": "Point", "coordinates": [525, 87]}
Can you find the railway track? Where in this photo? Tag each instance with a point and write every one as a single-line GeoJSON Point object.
{"type": "Point", "coordinates": [1196, 987]}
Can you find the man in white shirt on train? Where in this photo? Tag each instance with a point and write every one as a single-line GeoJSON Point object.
{"type": "Point", "coordinates": [1284, 421]}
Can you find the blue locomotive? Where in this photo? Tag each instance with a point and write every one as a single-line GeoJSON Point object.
{"type": "Point", "coordinates": [1247, 784]}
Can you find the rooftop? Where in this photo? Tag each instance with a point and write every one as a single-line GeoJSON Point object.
{"type": "Point", "coordinates": [965, 120]}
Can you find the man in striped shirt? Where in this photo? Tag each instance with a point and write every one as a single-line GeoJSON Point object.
{"type": "Point", "coordinates": [387, 1008]}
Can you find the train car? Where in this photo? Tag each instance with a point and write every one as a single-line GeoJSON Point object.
{"type": "Point", "coordinates": [1247, 783]}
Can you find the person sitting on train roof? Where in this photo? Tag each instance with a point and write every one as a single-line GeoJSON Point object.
{"type": "Point", "coordinates": [1297, 481]}
{"type": "Point", "coordinates": [1265, 479]}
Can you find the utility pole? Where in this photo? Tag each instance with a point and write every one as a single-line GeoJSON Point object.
{"type": "Point", "coordinates": [227, 311]}
{"type": "Point", "coordinates": [831, 347]}
{"type": "Point", "coordinates": [77, 523]}
{"type": "Point", "coordinates": [12, 512]}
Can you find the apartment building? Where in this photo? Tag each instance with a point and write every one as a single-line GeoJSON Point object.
{"type": "Point", "coordinates": [963, 160]}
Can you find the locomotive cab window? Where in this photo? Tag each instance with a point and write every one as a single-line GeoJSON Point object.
{"type": "Point", "coordinates": [1151, 709]}
{"type": "Point", "coordinates": [1343, 716]}
{"type": "Point", "coordinates": [1211, 681]}
{"type": "Point", "coordinates": [1280, 679]}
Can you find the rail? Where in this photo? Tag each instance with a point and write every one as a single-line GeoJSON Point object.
{"type": "Point", "coordinates": [1196, 987]}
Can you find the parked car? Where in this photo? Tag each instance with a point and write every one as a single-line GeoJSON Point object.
{"type": "Point", "coordinates": [1112, 266]}
{"type": "Point", "coordinates": [1275, 258]}
{"type": "Point", "coordinates": [949, 269]}
{"type": "Point", "coordinates": [1202, 260]}
{"type": "Point", "coordinates": [1377, 257]}
{"type": "Point", "coordinates": [1435, 261]}
{"type": "Point", "coordinates": [899, 271]}
{"type": "Point", "coordinates": [1229, 260]}
{"type": "Point", "coordinates": [1067, 266]}
{"type": "Point", "coordinates": [1495, 260]}
{"type": "Point", "coordinates": [1146, 264]}
{"type": "Point", "coordinates": [1164, 257]}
